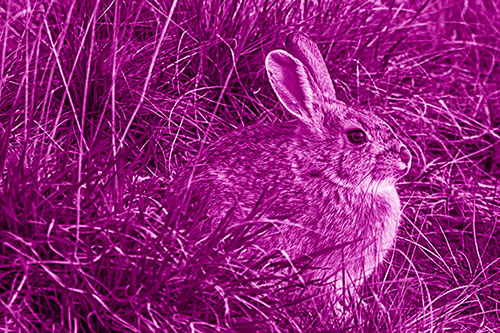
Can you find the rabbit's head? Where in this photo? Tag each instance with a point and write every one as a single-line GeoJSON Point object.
{"type": "Point", "coordinates": [353, 147]}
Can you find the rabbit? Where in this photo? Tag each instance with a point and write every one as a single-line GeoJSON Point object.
{"type": "Point", "coordinates": [328, 176]}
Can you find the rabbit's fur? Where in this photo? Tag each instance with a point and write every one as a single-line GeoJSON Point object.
{"type": "Point", "coordinates": [327, 197]}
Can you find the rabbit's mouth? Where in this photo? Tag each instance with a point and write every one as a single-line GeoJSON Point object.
{"type": "Point", "coordinates": [404, 160]}
{"type": "Point", "coordinates": [388, 174]}
{"type": "Point", "coordinates": [393, 168]}
{"type": "Point", "coordinates": [371, 185]}
{"type": "Point", "coordinates": [404, 168]}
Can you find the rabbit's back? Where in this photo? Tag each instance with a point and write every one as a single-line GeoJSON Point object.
{"type": "Point", "coordinates": [235, 170]}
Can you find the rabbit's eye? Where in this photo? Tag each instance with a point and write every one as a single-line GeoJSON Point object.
{"type": "Point", "coordinates": [356, 136]}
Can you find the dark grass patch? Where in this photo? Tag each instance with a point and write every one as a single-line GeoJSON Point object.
{"type": "Point", "coordinates": [101, 103]}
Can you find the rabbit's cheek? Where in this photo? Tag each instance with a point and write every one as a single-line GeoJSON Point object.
{"type": "Point", "coordinates": [354, 169]}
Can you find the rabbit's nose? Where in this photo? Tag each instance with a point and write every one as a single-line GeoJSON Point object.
{"type": "Point", "coordinates": [405, 155]}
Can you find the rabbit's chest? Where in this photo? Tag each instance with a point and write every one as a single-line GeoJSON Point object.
{"type": "Point", "coordinates": [372, 223]}
{"type": "Point", "coordinates": [388, 221]}
{"type": "Point", "coordinates": [379, 233]}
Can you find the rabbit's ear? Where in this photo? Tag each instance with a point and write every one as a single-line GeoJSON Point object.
{"type": "Point", "coordinates": [304, 49]}
{"type": "Point", "coordinates": [295, 87]}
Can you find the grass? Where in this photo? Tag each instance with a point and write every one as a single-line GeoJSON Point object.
{"type": "Point", "coordinates": [101, 102]}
